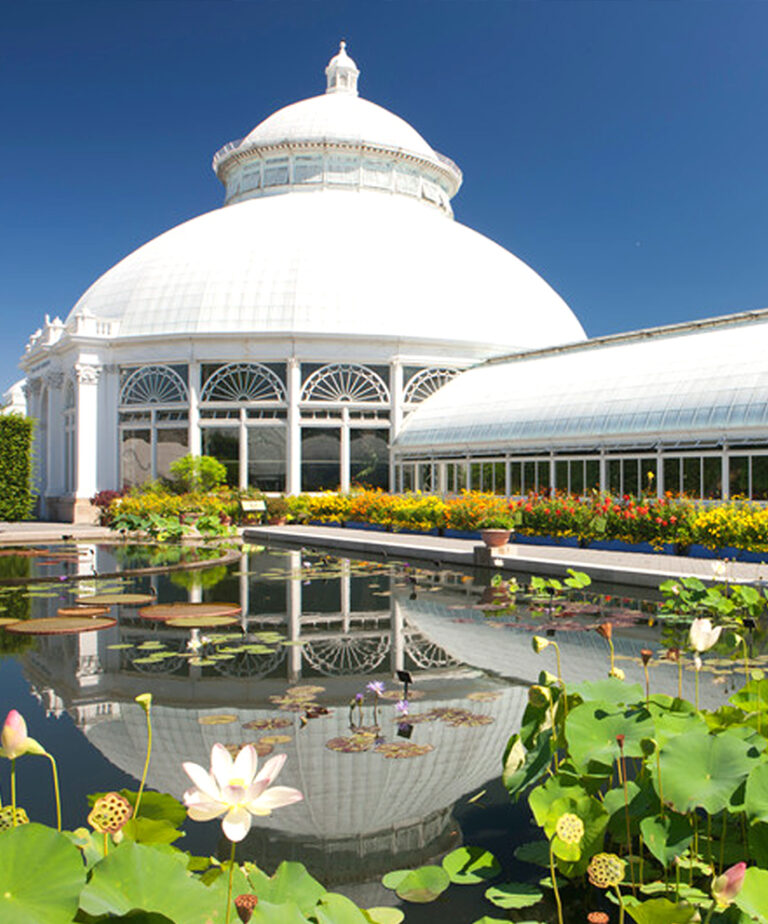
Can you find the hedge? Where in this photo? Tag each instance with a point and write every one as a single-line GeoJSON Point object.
{"type": "Point", "coordinates": [16, 495]}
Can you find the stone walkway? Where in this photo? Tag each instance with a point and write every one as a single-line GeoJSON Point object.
{"type": "Point", "coordinates": [634, 568]}
{"type": "Point", "coordinates": [33, 531]}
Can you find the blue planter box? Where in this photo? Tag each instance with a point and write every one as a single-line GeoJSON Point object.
{"type": "Point", "coordinates": [566, 541]}
{"type": "Point", "coordinates": [462, 534]}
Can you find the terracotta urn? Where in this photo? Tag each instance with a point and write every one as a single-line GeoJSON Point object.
{"type": "Point", "coordinates": [493, 538]}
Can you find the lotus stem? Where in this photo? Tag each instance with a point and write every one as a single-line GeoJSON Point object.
{"type": "Point", "coordinates": [146, 763]}
{"type": "Point", "coordinates": [613, 654]}
{"type": "Point", "coordinates": [647, 685]}
{"type": "Point", "coordinates": [553, 874]}
{"type": "Point", "coordinates": [697, 688]}
{"type": "Point", "coordinates": [106, 842]}
{"type": "Point", "coordinates": [640, 871]}
{"type": "Point", "coordinates": [722, 842]}
{"type": "Point", "coordinates": [229, 885]}
{"type": "Point", "coordinates": [679, 678]}
{"type": "Point", "coordinates": [661, 788]}
{"type": "Point", "coordinates": [626, 814]}
{"type": "Point", "coordinates": [746, 666]}
{"type": "Point", "coordinates": [57, 794]}
{"type": "Point", "coordinates": [621, 901]}
{"type": "Point", "coordinates": [709, 840]}
{"type": "Point", "coordinates": [709, 913]}
{"type": "Point", "coordinates": [560, 678]}
{"type": "Point", "coordinates": [13, 789]}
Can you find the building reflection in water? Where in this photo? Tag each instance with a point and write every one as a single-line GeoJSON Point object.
{"type": "Point", "coordinates": [363, 813]}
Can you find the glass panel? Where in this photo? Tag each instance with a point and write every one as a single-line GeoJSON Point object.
{"type": "Point", "coordinates": [760, 477]}
{"type": "Point", "coordinates": [172, 444]}
{"type": "Point", "coordinates": [499, 478]}
{"type": "Point", "coordinates": [266, 458]}
{"type": "Point", "coordinates": [542, 476]}
{"type": "Point", "coordinates": [692, 476]}
{"type": "Point", "coordinates": [593, 475]}
{"type": "Point", "coordinates": [648, 468]}
{"type": "Point", "coordinates": [631, 482]}
{"type": "Point", "coordinates": [672, 475]}
{"type": "Point", "coordinates": [529, 477]}
{"type": "Point", "coordinates": [515, 477]}
{"type": "Point", "coordinates": [577, 477]}
{"type": "Point", "coordinates": [713, 474]}
{"type": "Point", "coordinates": [614, 476]}
{"type": "Point", "coordinates": [320, 458]}
{"type": "Point", "coordinates": [425, 477]}
{"type": "Point", "coordinates": [407, 478]}
{"type": "Point", "coordinates": [135, 457]}
{"type": "Point", "coordinates": [561, 475]}
{"type": "Point", "coordinates": [461, 476]}
{"type": "Point", "coordinates": [476, 476]}
{"type": "Point", "coordinates": [488, 477]}
{"type": "Point", "coordinates": [739, 476]}
{"type": "Point", "coordinates": [369, 458]}
{"type": "Point", "coordinates": [224, 444]}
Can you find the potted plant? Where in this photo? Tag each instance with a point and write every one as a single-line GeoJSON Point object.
{"type": "Point", "coordinates": [277, 511]}
{"type": "Point", "coordinates": [495, 529]}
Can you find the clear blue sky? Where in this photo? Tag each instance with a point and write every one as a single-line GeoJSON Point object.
{"type": "Point", "coordinates": [618, 148]}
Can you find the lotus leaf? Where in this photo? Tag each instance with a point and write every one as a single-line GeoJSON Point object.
{"type": "Point", "coordinates": [423, 884]}
{"type": "Point", "coordinates": [524, 768]}
{"type": "Point", "coordinates": [337, 909]}
{"type": "Point", "coordinates": [470, 865]}
{"type": "Point", "coordinates": [135, 876]}
{"type": "Point", "coordinates": [666, 837]}
{"type": "Point", "coordinates": [661, 911]}
{"type": "Point", "coordinates": [514, 895]}
{"type": "Point", "coordinates": [702, 770]}
{"type": "Point", "coordinates": [291, 882]}
{"type": "Point", "coordinates": [383, 915]}
{"type": "Point", "coordinates": [41, 876]}
{"type": "Point", "coordinates": [592, 727]}
{"type": "Point", "coordinates": [753, 897]}
{"type": "Point", "coordinates": [536, 852]}
{"type": "Point", "coordinates": [285, 913]}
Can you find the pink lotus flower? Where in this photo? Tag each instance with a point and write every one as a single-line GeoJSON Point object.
{"type": "Point", "coordinates": [14, 739]}
{"type": "Point", "coordinates": [234, 789]}
{"type": "Point", "coordinates": [727, 886]}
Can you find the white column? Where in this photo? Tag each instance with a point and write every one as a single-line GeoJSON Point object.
{"type": "Point", "coordinates": [344, 449]}
{"type": "Point", "coordinates": [726, 473]}
{"type": "Point", "coordinates": [395, 413]}
{"type": "Point", "coordinates": [243, 455]}
{"type": "Point", "coordinates": [194, 438]}
{"type": "Point", "coordinates": [397, 644]}
{"type": "Point", "coordinates": [293, 375]}
{"type": "Point", "coordinates": [659, 474]}
{"type": "Point", "coordinates": [293, 617]}
{"type": "Point", "coordinates": [55, 461]}
{"type": "Point", "coordinates": [345, 584]}
{"type": "Point", "coordinates": [87, 435]}
{"type": "Point", "coordinates": [603, 474]}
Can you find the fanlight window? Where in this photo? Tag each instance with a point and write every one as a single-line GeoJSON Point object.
{"type": "Point", "coordinates": [154, 385]}
{"type": "Point", "coordinates": [345, 382]}
{"type": "Point", "coordinates": [426, 383]}
{"type": "Point", "coordinates": [243, 382]}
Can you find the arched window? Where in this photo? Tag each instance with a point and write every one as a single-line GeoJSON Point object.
{"type": "Point", "coordinates": [153, 385]}
{"type": "Point", "coordinates": [243, 382]}
{"type": "Point", "coordinates": [426, 383]}
{"type": "Point", "coordinates": [345, 382]}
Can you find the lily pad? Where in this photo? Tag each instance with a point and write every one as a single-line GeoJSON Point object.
{"type": "Point", "coordinates": [470, 865]}
{"type": "Point", "coordinates": [275, 739]}
{"type": "Point", "coordinates": [7, 621]}
{"type": "Point", "coordinates": [399, 750]}
{"type": "Point", "coordinates": [82, 610]}
{"type": "Point", "coordinates": [61, 625]}
{"type": "Point", "coordinates": [661, 911]}
{"type": "Point", "coordinates": [421, 885]}
{"type": "Point", "coordinates": [382, 915]}
{"type": "Point", "coordinates": [514, 895]}
{"type": "Point", "coordinates": [163, 611]}
{"type": "Point", "coordinates": [268, 723]}
{"type": "Point", "coordinates": [116, 598]}
{"type": "Point", "coordinates": [223, 718]}
{"type": "Point", "coordinates": [200, 622]}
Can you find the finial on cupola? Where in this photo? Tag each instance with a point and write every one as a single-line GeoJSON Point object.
{"type": "Point", "coordinates": [342, 72]}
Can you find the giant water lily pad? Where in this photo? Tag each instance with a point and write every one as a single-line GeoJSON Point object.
{"type": "Point", "coordinates": [351, 745]}
{"type": "Point", "coordinates": [7, 621]}
{"type": "Point", "coordinates": [115, 599]}
{"type": "Point", "coordinates": [701, 770]}
{"type": "Point", "coordinates": [164, 611]}
{"type": "Point", "coordinates": [222, 718]}
{"type": "Point", "coordinates": [399, 750]}
{"type": "Point", "coordinates": [82, 610]}
{"type": "Point", "coordinates": [61, 625]}
{"type": "Point", "coordinates": [200, 622]}
{"type": "Point", "coordinates": [268, 723]}
{"type": "Point", "coordinates": [41, 876]}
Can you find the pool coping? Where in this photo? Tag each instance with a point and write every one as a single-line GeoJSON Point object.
{"type": "Point", "coordinates": [640, 569]}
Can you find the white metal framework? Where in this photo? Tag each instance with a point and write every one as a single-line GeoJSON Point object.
{"type": "Point", "coordinates": [243, 382]}
{"type": "Point", "coordinates": [426, 382]}
{"type": "Point", "coordinates": [153, 385]}
{"type": "Point", "coordinates": [345, 382]}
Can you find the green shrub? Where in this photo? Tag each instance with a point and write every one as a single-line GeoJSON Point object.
{"type": "Point", "coordinates": [16, 494]}
{"type": "Point", "coordinates": [197, 473]}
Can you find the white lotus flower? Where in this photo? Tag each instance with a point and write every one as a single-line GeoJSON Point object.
{"type": "Point", "coordinates": [234, 789]}
{"type": "Point", "coordinates": [703, 634]}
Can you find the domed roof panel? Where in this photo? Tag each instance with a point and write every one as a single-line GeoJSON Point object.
{"type": "Point", "coordinates": [337, 117]}
{"type": "Point", "coordinates": [332, 263]}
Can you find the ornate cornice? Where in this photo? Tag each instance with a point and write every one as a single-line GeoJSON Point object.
{"type": "Point", "coordinates": [87, 374]}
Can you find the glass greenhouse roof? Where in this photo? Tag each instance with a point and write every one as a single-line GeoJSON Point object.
{"type": "Point", "coordinates": [688, 380]}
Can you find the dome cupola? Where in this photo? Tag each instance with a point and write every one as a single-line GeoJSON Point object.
{"type": "Point", "coordinates": [342, 72]}
{"type": "Point", "coordinates": [340, 141]}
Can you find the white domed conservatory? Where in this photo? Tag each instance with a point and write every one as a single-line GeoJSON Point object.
{"type": "Point", "coordinates": [289, 332]}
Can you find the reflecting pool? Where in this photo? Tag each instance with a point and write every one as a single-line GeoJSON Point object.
{"type": "Point", "coordinates": [383, 788]}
